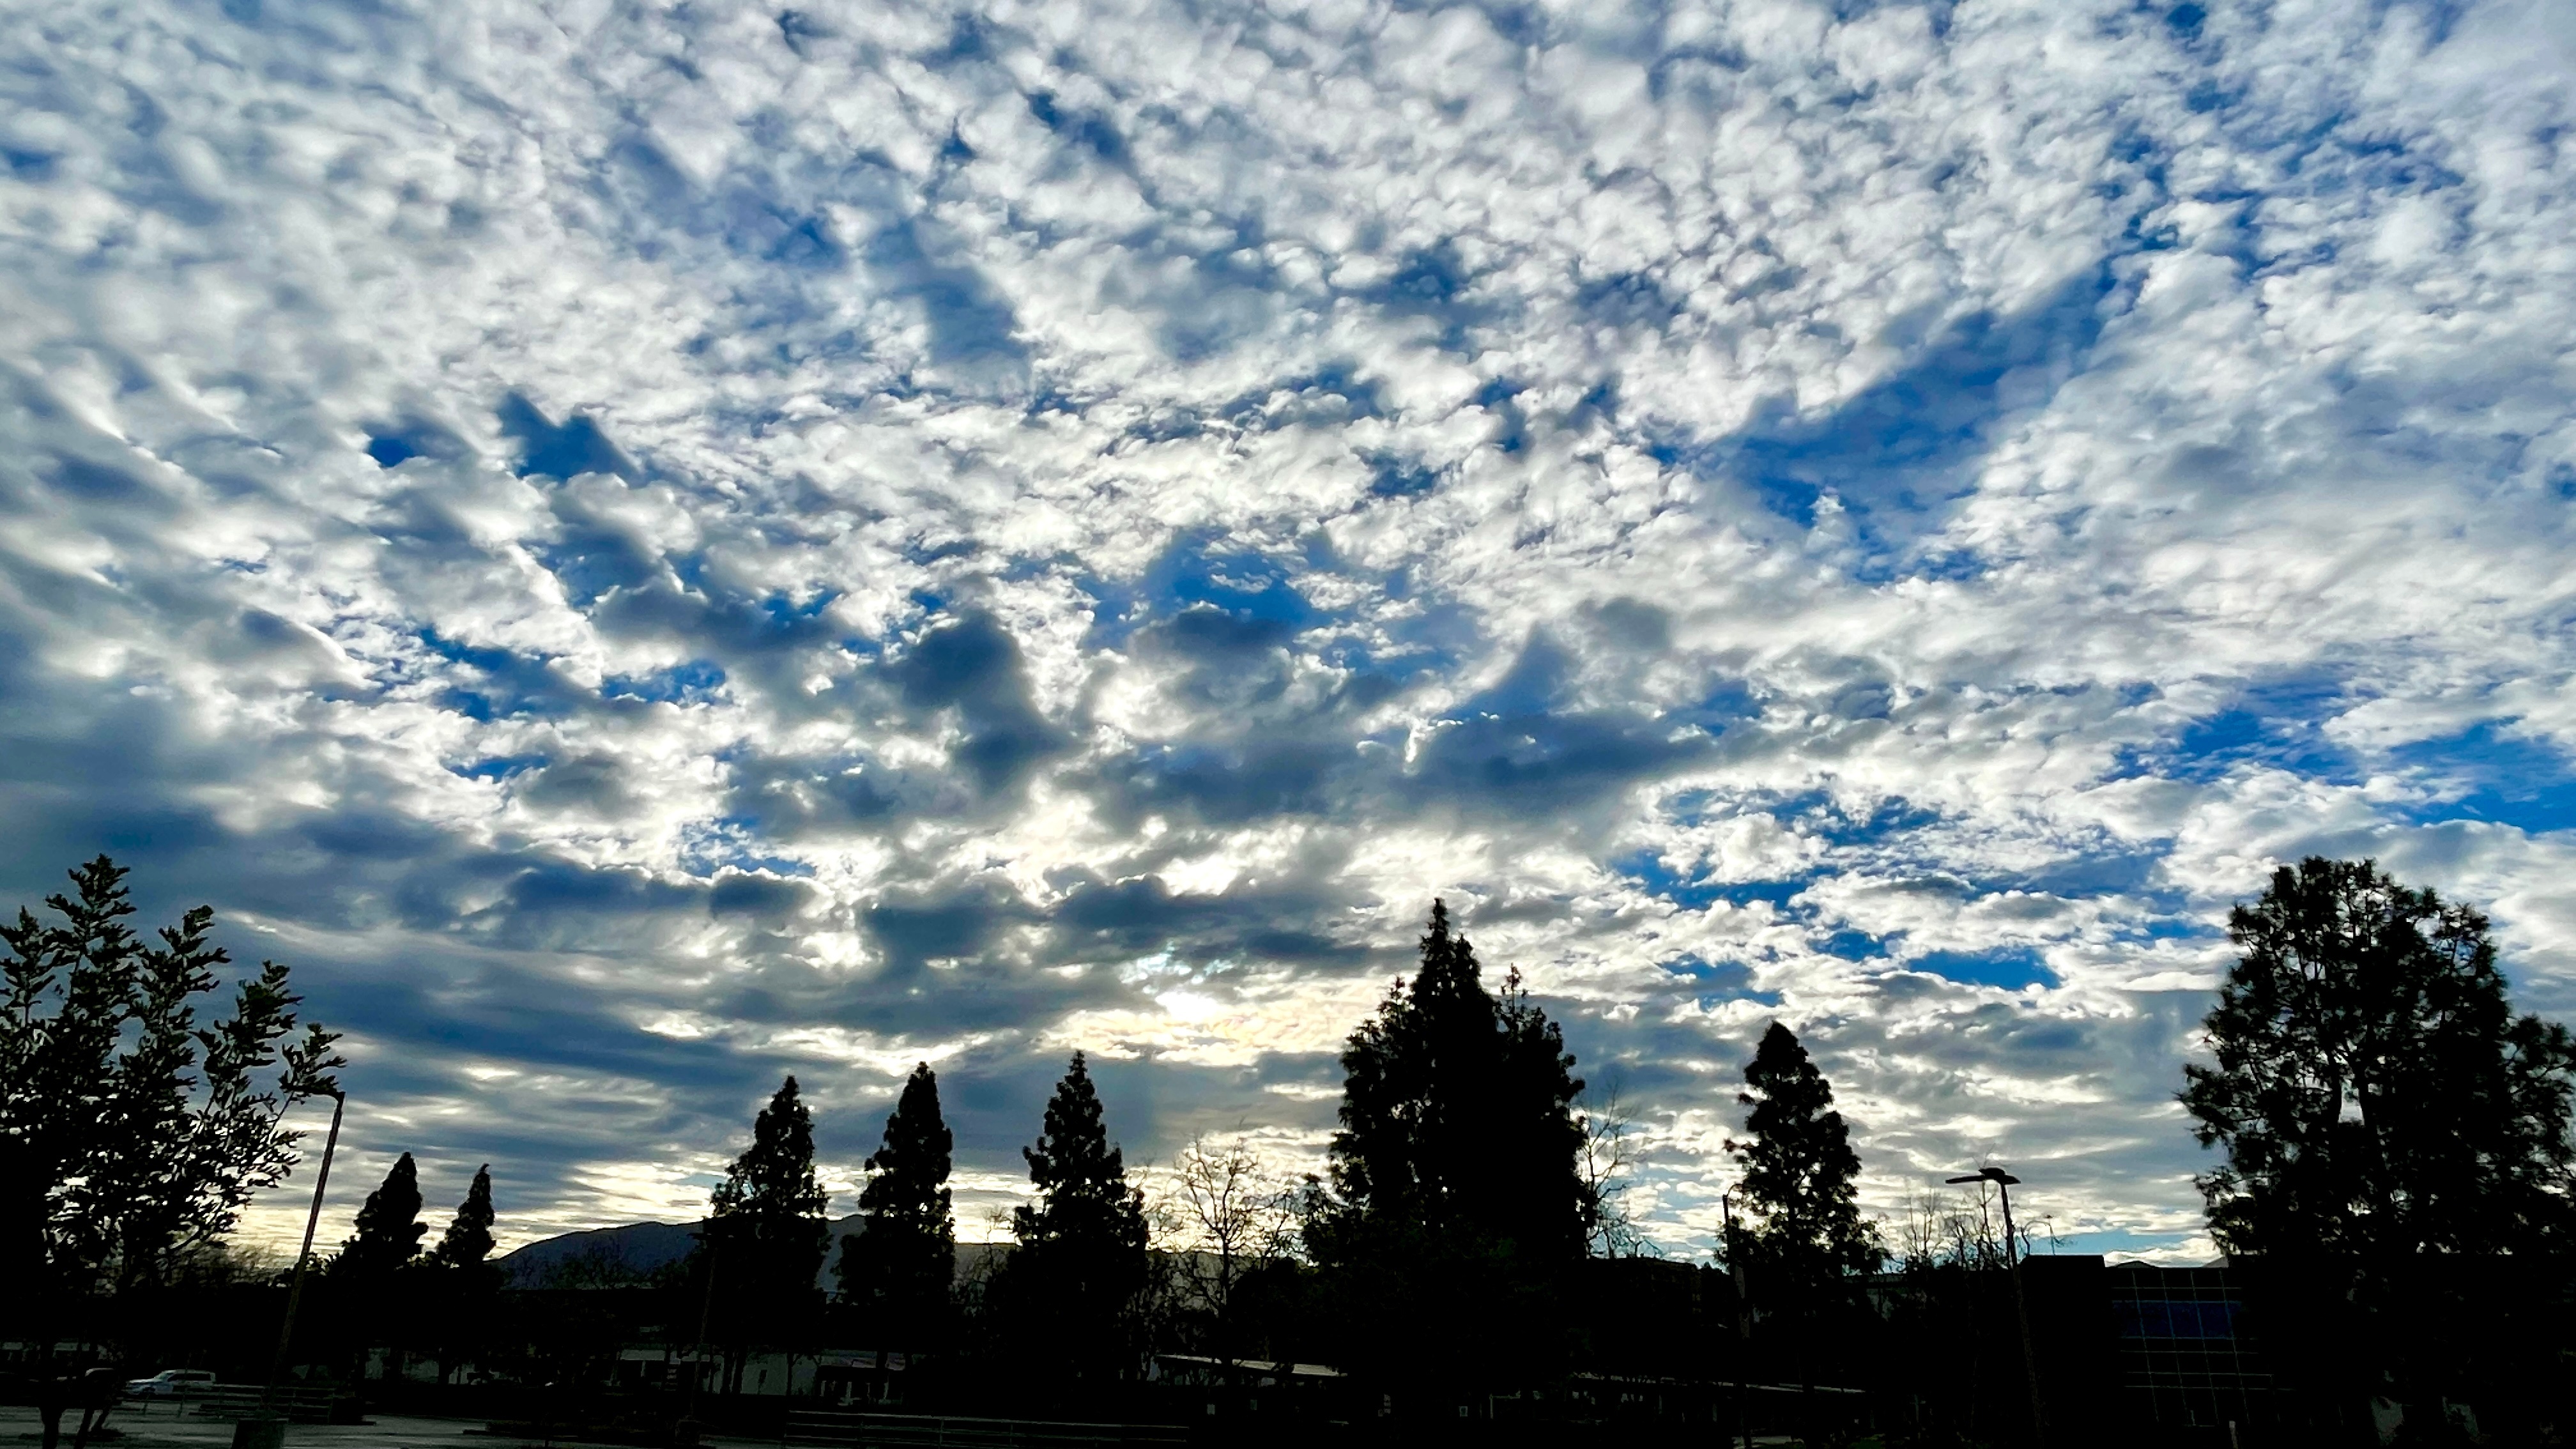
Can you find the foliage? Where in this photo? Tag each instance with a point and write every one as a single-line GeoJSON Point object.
{"type": "Point", "coordinates": [1801, 1177]}
{"type": "Point", "coordinates": [389, 1228]}
{"type": "Point", "coordinates": [905, 1255]}
{"type": "Point", "coordinates": [130, 1136]}
{"type": "Point", "coordinates": [1073, 1279]}
{"type": "Point", "coordinates": [762, 1246]}
{"type": "Point", "coordinates": [1457, 1205]}
{"type": "Point", "coordinates": [1227, 1223]}
{"type": "Point", "coordinates": [2372, 1090]}
{"type": "Point", "coordinates": [468, 1239]}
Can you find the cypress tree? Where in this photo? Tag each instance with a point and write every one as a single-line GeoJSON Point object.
{"type": "Point", "coordinates": [905, 1253]}
{"type": "Point", "coordinates": [468, 1239]}
{"type": "Point", "coordinates": [1801, 1177]}
{"type": "Point", "coordinates": [389, 1226]}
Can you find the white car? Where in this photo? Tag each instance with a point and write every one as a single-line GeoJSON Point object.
{"type": "Point", "coordinates": [170, 1384]}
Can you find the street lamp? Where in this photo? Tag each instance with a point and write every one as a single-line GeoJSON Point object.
{"type": "Point", "coordinates": [244, 1437]}
{"type": "Point", "coordinates": [2003, 1182]}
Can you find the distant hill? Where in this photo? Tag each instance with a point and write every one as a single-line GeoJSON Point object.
{"type": "Point", "coordinates": [638, 1250]}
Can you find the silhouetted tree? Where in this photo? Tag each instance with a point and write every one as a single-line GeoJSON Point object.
{"type": "Point", "coordinates": [1458, 1198]}
{"type": "Point", "coordinates": [765, 1239]}
{"type": "Point", "coordinates": [903, 1257]}
{"type": "Point", "coordinates": [1071, 1282]}
{"type": "Point", "coordinates": [2373, 1091]}
{"type": "Point", "coordinates": [130, 1135]}
{"type": "Point", "coordinates": [468, 1239]}
{"type": "Point", "coordinates": [389, 1227]}
{"type": "Point", "coordinates": [1807, 1238]}
{"type": "Point", "coordinates": [463, 1286]}
{"type": "Point", "coordinates": [2382, 1110]}
{"type": "Point", "coordinates": [1801, 1177]}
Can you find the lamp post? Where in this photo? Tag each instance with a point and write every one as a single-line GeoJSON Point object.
{"type": "Point", "coordinates": [2003, 1182]}
{"type": "Point", "coordinates": [1743, 1318]}
{"type": "Point", "coordinates": [243, 1436]}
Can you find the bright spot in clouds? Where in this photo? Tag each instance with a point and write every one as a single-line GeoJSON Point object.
{"type": "Point", "coordinates": [647, 548]}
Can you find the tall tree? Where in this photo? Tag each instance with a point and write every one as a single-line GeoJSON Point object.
{"type": "Point", "coordinates": [131, 1136]}
{"type": "Point", "coordinates": [2372, 1090]}
{"type": "Point", "coordinates": [765, 1239]}
{"type": "Point", "coordinates": [905, 1254]}
{"type": "Point", "coordinates": [1079, 1261]}
{"type": "Point", "coordinates": [1458, 1202]}
{"type": "Point", "coordinates": [1801, 1177]}
{"type": "Point", "coordinates": [389, 1227]}
{"type": "Point", "coordinates": [468, 1239]}
{"type": "Point", "coordinates": [1457, 1108]}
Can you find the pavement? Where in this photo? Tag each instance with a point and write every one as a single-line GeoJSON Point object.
{"type": "Point", "coordinates": [169, 1426]}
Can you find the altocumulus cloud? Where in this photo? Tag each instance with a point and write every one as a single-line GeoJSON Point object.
{"type": "Point", "coordinates": [642, 547]}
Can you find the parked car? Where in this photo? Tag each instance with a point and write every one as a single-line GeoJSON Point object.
{"type": "Point", "coordinates": [170, 1384]}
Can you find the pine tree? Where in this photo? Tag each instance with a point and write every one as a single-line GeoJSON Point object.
{"type": "Point", "coordinates": [1458, 1204]}
{"type": "Point", "coordinates": [1800, 1174]}
{"type": "Point", "coordinates": [905, 1254]}
{"type": "Point", "coordinates": [2373, 1091]}
{"type": "Point", "coordinates": [765, 1239]}
{"type": "Point", "coordinates": [389, 1227]}
{"type": "Point", "coordinates": [1079, 1261]}
{"type": "Point", "coordinates": [468, 1239]}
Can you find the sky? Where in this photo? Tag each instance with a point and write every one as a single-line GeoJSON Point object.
{"type": "Point", "coordinates": [646, 547]}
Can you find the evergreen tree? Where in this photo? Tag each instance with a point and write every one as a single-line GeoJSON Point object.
{"type": "Point", "coordinates": [905, 1253]}
{"type": "Point", "coordinates": [468, 1239]}
{"type": "Point", "coordinates": [1458, 1204]}
{"type": "Point", "coordinates": [389, 1227]}
{"type": "Point", "coordinates": [1801, 1176]}
{"type": "Point", "coordinates": [1079, 1263]}
{"type": "Point", "coordinates": [2373, 1091]}
{"type": "Point", "coordinates": [765, 1239]}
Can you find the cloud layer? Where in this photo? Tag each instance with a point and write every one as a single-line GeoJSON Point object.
{"type": "Point", "coordinates": [644, 547]}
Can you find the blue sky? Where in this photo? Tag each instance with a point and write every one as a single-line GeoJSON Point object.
{"type": "Point", "coordinates": [645, 547]}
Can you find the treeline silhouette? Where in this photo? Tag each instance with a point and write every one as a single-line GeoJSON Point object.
{"type": "Point", "coordinates": [2385, 1124]}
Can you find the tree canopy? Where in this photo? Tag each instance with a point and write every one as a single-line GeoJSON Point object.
{"type": "Point", "coordinates": [1070, 1287]}
{"type": "Point", "coordinates": [468, 1239]}
{"type": "Point", "coordinates": [1801, 1177]}
{"type": "Point", "coordinates": [770, 1204]}
{"type": "Point", "coordinates": [1457, 1109]}
{"type": "Point", "coordinates": [130, 1134]}
{"type": "Point", "coordinates": [2372, 1089]}
{"type": "Point", "coordinates": [905, 1253]}
{"type": "Point", "coordinates": [389, 1226]}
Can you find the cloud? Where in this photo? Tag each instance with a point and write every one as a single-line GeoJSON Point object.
{"type": "Point", "coordinates": [645, 550]}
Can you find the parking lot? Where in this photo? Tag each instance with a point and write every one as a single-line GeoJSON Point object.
{"type": "Point", "coordinates": [169, 1426]}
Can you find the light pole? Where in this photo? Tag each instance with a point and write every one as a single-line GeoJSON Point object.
{"type": "Point", "coordinates": [304, 1257]}
{"type": "Point", "coordinates": [1743, 1319]}
{"type": "Point", "coordinates": [2003, 1182]}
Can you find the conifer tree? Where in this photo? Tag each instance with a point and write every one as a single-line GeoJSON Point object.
{"type": "Point", "coordinates": [1801, 1177]}
{"type": "Point", "coordinates": [1079, 1261]}
{"type": "Point", "coordinates": [2374, 1093]}
{"type": "Point", "coordinates": [905, 1253]}
{"type": "Point", "coordinates": [468, 1239]}
{"type": "Point", "coordinates": [764, 1241]}
{"type": "Point", "coordinates": [1458, 1203]}
{"type": "Point", "coordinates": [389, 1226]}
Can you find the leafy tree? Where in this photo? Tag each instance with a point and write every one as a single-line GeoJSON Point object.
{"type": "Point", "coordinates": [468, 1239]}
{"type": "Point", "coordinates": [130, 1135]}
{"type": "Point", "coordinates": [2372, 1090]}
{"type": "Point", "coordinates": [1801, 1176]}
{"type": "Point", "coordinates": [905, 1254]}
{"type": "Point", "coordinates": [1458, 1202]}
{"type": "Point", "coordinates": [764, 1241]}
{"type": "Point", "coordinates": [1073, 1278]}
